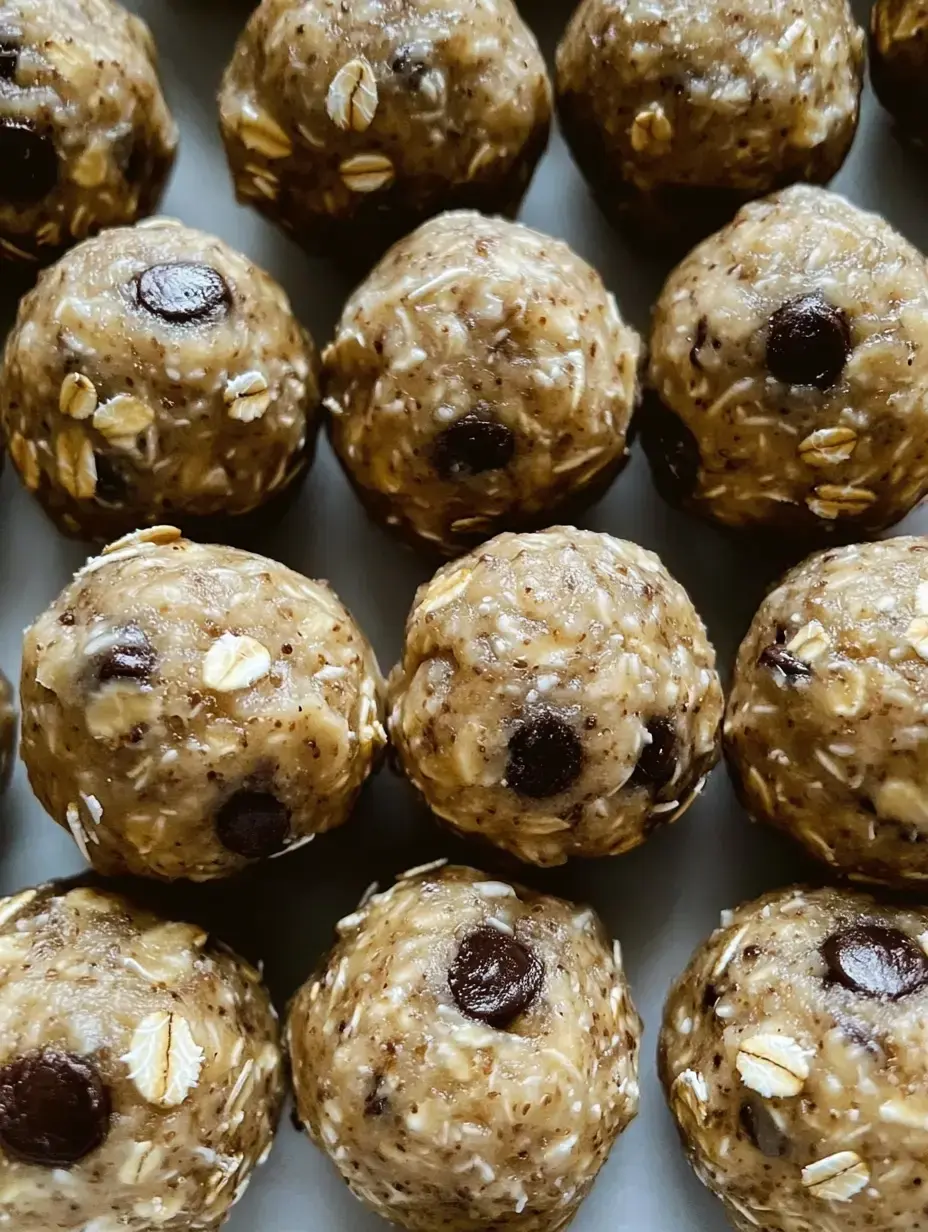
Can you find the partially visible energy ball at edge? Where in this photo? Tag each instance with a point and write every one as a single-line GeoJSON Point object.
{"type": "Point", "coordinates": [899, 63]}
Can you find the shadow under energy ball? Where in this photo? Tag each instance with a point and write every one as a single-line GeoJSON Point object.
{"type": "Point", "coordinates": [793, 1057]}
{"type": "Point", "coordinates": [467, 1054]}
{"type": "Point", "coordinates": [189, 710]}
{"type": "Point", "coordinates": [86, 139]}
{"type": "Point", "coordinates": [350, 124]}
{"type": "Point", "coordinates": [679, 111]}
{"type": "Point", "coordinates": [789, 372]}
{"type": "Point", "coordinates": [557, 695]}
{"type": "Point", "coordinates": [155, 374]}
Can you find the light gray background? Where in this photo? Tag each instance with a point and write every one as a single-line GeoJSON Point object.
{"type": "Point", "coordinates": [661, 899]}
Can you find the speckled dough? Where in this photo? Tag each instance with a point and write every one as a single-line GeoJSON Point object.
{"type": "Point", "coordinates": [557, 695]}
{"type": "Point", "coordinates": [480, 377]}
{"type": "Point", "coordinates": [678, 111]}
{"type": "Point", "coordinates": [350, 123]}
{"type": "Point", "coordinates": [899, 62]}
{"type": "Point", "coordinates": [155, 374]}
{"type": "Point", "coordinates": [86, 139]}
{"type": "Point", "coordinates": [825, 728]}
{"type": "Point", "coordinates": [436, 1117]}
{"type": "Point", "coordinates": [140, 1074]}
{"type": "Point", "coordinates": [793, 1055]}
{"type": "Point", "coordinates": [790, 355]}
{"type": "Point", "coordinates": [187, 709]}
{"type": "Point", "coordinates": [7, 730]}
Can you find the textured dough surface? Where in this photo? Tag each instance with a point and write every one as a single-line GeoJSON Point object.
{"type": "Point", "coordinates": [479, 319]}
{"type": "Point", "coordinates": [183, 1035]}
{"type": "Point", "coordinates": [356, 121]}
{"type": "Point", "coordinates": [842, 1145]}
{"type": "Point", "coordinates": [251, 679]}
{"type": "Point", "coordinates": [748, 449]}
{"type": "Point", "coordinates": [899, 62]}
{"type": "Point", "coordinates": [830, 745]}
{"type": "Point", "coordinates": [435, 1119]}
{"type": "Point", "coordinates": [117, 417]}
{"type": "Point", "coordinates": [686, 106]}
{"type": "Point", "coordinates": [84, 85]}
{"type": "Point", "coordinates": [569, 628]}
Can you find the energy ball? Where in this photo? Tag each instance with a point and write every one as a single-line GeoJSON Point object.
{"type": "Point", "coordinates": [794, 1062]}
{"type": "Point", "coordinates": [86, 139]}
{"type": "Point", "coordinates": [789, 369]}
{"type": "Point", "coordinates": [140, 1074]}
{"type": "Point", "coordinates": [349, 124]}
{"type": "Point", "coordinates": [468, 1053]}
{"type": "Point", "coordinates": [679, 111]}
{"type": "Point", "coordinates": [557, 695]}
{"type": "Point", "coordinates": [189, 709]}
{"type": "Point", "coordinates": [155, 374]}
{"type": "Point", "coordinates": [825, 719]}
{"type": "Point", "coordinates": [481, 377]}
{"type": "Point", "coordinates": [899, 63]}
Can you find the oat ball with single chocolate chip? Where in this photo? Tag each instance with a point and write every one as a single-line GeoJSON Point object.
{"type": "Point", "coordinates": [480, 378]}
{"type": "Point", "coordinates": [155, 374]}
{"type": "Point", "coordinates": [557, 695]}
{"type": "Point", "coordinates": [899, 63]}
{"type": "Point", "coordinates": [826, 719]}
{"type": "Point", "coordinates": [349, 124]}
{"type": "Point", "coordinates": [140, 1073]}
{"type": "Point", "coordinates": [467, 1054]}
{"type": "Point", "coordinates": [789, 371]}
{"type": "Point", "coordinates": [679, 111]}
{"type": "Point", "coordinates": [189, 709]}
{"type": "Point", "coordinates": [793, 1057]}
{"type": "Point", "coordinates": [86, 139]}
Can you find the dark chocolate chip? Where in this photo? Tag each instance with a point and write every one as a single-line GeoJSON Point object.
{"type": "Point", "coordinates": [184, 292]}
{"type": "Point", "coordinates": [471, 446]}
{"type": "Point", "coordinates": [808, 342]}
{"type": "Point", "coordinates": [671, 448]}
{"type": "Point", "coordinates": [112, 481]}
{"type": "Point", "coordinates": [763, 1131]}
{"type": "Point", "coordinates": [28, 163]}
{"type": "Point", "coordinates": [253, 824]}
{"type": "Point", "coordinates": [545, 757]}
{"type": "Point", "coordinates": [376, 1102]}
{"type": "Point", "coordinates": [411, 65]}
{"type": "Point", "coordinates": [9, 59]}
{"type": "Point", "coordinates": [131, 658]}
{"type": "Point", "coordinates": [494, 977]}
{"type": "Point", "coordinates": [781, 660]}
{"type": "Point", "coordinates": [875, 961]}
{"type": "Point", "coordinates": [54, 1108]}
{"type": "Point", "coordinates": [702, 333]}
{"type": "Point", "coordinates": [658, 760]}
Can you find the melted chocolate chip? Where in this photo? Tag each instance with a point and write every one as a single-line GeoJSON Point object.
{"type": "Point", "coordinates": [471, 446]}
{"type": "Point", "coordinates": [184, 292]}
{"type": "Point", "coordinates": [658, 759]}
{"type": "Point", "coordinates": [808, 342]}
{"type": "Point", "coordinates": [781, 660]}
{"type": "Point", "coordinates": [54, 1108]}
{"type": "Point", "coordinates": [494, 977]}
{"type": "Point", "coordinates": [112, 482]}
{"type": "Point", "coordinates": [671, 448]}
{"type": "Point", "coordinates": [9, 58]}
{"type": "Point", "coordinates": [28, 163]}
{"type": "Point", "coordinates": [545, 757]}
{"type": "Point", "coordinates": [253, 824]}
{"type": "Point", "coordinates": [875, 961]}
{"type": "Point", "coordinates": [760, 1127]}
{"type": "Point", "coordinates": [131, 658]}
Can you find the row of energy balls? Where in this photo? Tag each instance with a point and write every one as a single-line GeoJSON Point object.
{"type": "Point", "coordinates": [557, 693]}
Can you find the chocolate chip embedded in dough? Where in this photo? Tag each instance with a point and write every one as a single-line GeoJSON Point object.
{"type": "Point", "coordinates": [783, 661]}
{"type": "Point", "coordinates": [472, 446]}
{"type": "Point", "coordinates": [875, 961]}
{"type": "Point", "coordinates": [132, 657]}
{"type": "Point", "coordinates": [54, 1108]}
{"type": "Point", "coordinates": [808, 342]}
{"type": "Point", "coordinates": [494, 978]}
{"type": "Point", "coordinates": [29, 165]}
{"type": "Point", "coordinates": [545, 757]}
{"type": "Point", "coordinates": [253, 824]}
{"type": "Point", "coordinates": [184, 292]}
{"type": "Point", "coordinates": [657, 762]}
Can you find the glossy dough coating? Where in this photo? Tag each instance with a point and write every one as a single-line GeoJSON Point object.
{"type": "Point", "coordinates": [86, 139]}
{"type": "Point", "coordinates": [188, 708]}
{"type": "Point", "coordinates": [677, 112]}
{"type": "Point", "coordinates": [435, 1118]}
{"type": "Point", "coordinates": [793, 1056]}
{"type": "Point", "coordinates": [899, 62]}
{"type": "Point", "coordinates": [349, 123]}
{"type": "Point", "coordinates": [791, 352]}
{"type": "Point", "coordinates": [480, 377]}
{"type": "Point", "coordinates": [154, 374]}
{"type": "Point", "coordinates": [557, 695]}
{"type": "Point", "coordinates": [170, 1044]}
{"type": "Point", "coordinates": [826, 717]}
